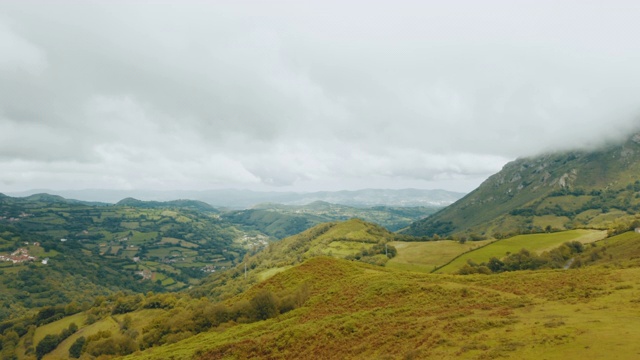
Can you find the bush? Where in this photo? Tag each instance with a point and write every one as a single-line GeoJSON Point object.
{"type": "Point", "coordinates": [46, 345]}
{"type": "Point", "coordinates": [265, 305]}
{"type": "Point", "coordinates": [76, 348]}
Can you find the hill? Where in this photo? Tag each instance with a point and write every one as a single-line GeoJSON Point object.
{"type": "Point", "coordinates": [353, 310]}
{"type": "Point", "coordinates": [535, 243]}
{"type": "Point", "coordinates": [281, 221]}
{"type": "Point", "coordinates": [353, 239]}
{"type": "Point", "coordinates": [331, 307]}
{"type": "Point", "coordinates": [580, 189]}
{"type": "Point", "coordinates": [181, 204]}
{"type": "Point", "coordinates": [55, 250]}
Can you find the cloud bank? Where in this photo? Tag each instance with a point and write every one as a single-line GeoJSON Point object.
{"type": "Point", "coordinates": [306, 96]}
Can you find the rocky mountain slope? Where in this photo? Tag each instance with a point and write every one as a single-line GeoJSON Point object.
{"type": "Point", "coordinates": [593, 189]}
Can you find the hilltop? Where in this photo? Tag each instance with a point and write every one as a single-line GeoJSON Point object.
{"type": "Point", "coordinates": [578, 189]}
{"type": "Point", "coordinates": [353, 239]}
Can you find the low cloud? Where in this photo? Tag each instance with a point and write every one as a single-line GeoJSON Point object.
{"type": "Point", "coordinates": [306, 96]}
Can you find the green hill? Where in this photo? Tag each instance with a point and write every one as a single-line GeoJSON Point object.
{"type": "Point", "coordinates": [353, 239]}
{"type": "Point", "coordinates": [579, 189]}
{"type": "Point", "coordinates": [536, 243]}
{"type": "Point", "coordinates": [331, 307]}
{"type": "Point", "coordinates": [281, 221]}
{"type": "Point", "coordinates": [75, 251]}
{"type": "Point", "coordinates": [352, 310]}
{"type": "Point", "coordinates": [181, 204]}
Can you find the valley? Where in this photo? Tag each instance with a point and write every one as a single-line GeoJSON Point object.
{"type": "Point", "coordinates": [516, 269]}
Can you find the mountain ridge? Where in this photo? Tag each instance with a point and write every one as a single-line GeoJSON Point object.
{"type": "Point", "coordinates": [244, 199]}
{"type": "Point", "coordinates": [562, 186]}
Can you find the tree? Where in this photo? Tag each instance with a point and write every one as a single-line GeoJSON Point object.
{"type": "Point", "coordinates": [76, 348]}
{"type": "Point", "coordinates": [265, 305]}
{"type": "Point", "coordinates": [495, 265]}
{"type": "Point", "coordinates": [46, 345]}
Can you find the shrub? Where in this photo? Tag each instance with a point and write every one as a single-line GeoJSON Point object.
{"type": "Point", "coordinates": [76, 348]}
{"type": "Point", "coordinates": [265, 305]}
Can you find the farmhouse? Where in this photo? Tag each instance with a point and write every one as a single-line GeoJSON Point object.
{"type": "Point", "coordinates": [146, 274]}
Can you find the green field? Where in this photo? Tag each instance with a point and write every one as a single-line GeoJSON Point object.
{"type": "Point", "coordinates": [426, 256]}
{"type": "Point", "coordinates": [534, 242]}
{"type": "Point", "coordinates": [57, 326]}
{"type": "Point", "coordinates": [343, 248]}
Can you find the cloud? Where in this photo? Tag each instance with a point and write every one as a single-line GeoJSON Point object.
{"type": "Point", "coordinates": [292, 95]}
{"type": "Point", "coordinates": [19, 54]}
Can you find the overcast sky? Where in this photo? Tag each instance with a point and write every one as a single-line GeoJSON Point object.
{"type": "Point", "coordinates": [306, 95]}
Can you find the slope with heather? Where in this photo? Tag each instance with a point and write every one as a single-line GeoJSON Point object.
{"type": "Point", "coordinates": [338, 308]}
{"type": "Point", "coordinates": [358, 311]}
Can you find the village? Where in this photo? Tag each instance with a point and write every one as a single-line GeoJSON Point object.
{"type": "Point", "coordinates": [19, 256]}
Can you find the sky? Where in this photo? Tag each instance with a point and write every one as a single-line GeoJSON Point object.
{"type": "Point", "coordinates": [306, 95]}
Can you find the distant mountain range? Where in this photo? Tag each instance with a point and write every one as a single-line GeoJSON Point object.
{"type": "Point", "coordinates": [243, 199]}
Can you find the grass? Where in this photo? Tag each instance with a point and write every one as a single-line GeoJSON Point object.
{"type": "Point", "coordinates": [426, 256]}
{"type": "Point", "coordinates": [140, 238]}
{"type": "Point", "coordinates": [172, 251]}
{"type": "Point", "coordinates": [605, 219]}
{"type": "Point", "coordinates": [357, 311]}
{"type": "Point", "coordinates": [179, 242]}
{"type": "Point", "coordinates": [271, 272]}
{"type": "Point", "coordinates": [534, 242]}
{"type": "Point", "coordinates": [56, 327]}
{"type": "Point", "coordinates": [620, 251]}
{"type": "Point", "coordinates": [556, 222]}
{"type": "Point", "coordinates": [352, 230]}
{"type": "Point", "coordinates": [344, 248]}
{"type": "Point", "coordinates": [140, 319]}
{"type": "Point", "coordinates": [360, 311]}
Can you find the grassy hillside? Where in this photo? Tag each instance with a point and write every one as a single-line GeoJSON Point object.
{"type": "Point", "coordinates": [358, 311]}
{"type": "Point", "coordinates": [596, 189]}
{"type": "Point", "coordinates": [536, 243]}
{"type": "Point", "coordinates": [332, 308]}
{"type": "Point", "coordinates": [426, 256]}
{"type": "Point", "coordinates": [98, 249]}
{"type": "Point", "coordinates": [621, 251]}
{"type": "Point", "coordinates": [353, 239]}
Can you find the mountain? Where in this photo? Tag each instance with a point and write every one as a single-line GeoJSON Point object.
{"type": "Point", "coordinates": [577, 189]}
{"type": "Point", "coordinates": [183, 204]}
{"type": "Point", "coordinates": [243, 199]}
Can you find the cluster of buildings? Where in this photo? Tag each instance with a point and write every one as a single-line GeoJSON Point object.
{"type": "Point", "coordinates": [14, 219]}
{"type": "Point", "coordinates": [19, 256]}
